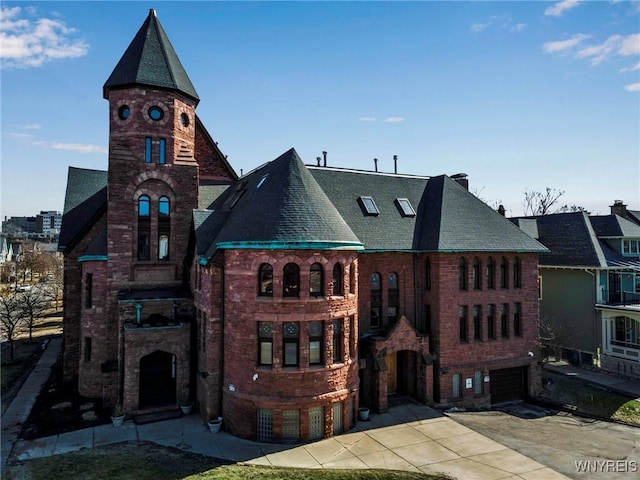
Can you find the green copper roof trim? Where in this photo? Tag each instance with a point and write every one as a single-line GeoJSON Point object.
{"type": "Point", "coordinates": [93, 258]}
{"type": "Point", "coordinates": [292, 245]}
{"type": "Point", "coordinates": [450, 250]}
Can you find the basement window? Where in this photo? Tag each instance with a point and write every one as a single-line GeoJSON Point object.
{"type": "Point", "coordinates": [405, 207]}
{"type": "Point", "coordinates": [369, 207]}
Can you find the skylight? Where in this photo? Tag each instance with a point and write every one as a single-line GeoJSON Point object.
{"type": "Point", "coordinates": [369, 206]}
{"type": "Point", "coordinates": [406, 207]}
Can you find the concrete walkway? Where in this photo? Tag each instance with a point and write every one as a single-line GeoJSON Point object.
{"type": "Point", "coordinates": [408, 437]}
{"type": "Point", "coordinates": [610, 382]}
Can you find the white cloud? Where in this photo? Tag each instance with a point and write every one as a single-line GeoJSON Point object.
{"type": "Point", "coordinates": [630, 45]}
{"type": "Point", "coordinates": [20, 136]}
{"type": "Point", "coordinates": [502, 22]}
{"type": "Point", "coordinates": [75, 147]}
{"type": "Point", "coordinates": [28, 43]}
{"type": "Point", "coordinates": [634, 68]}
{"type": "Point", "coordinates": [394, 119]}
{"type": "Point", "coordinates": [367, 119]}
{"type": "Point", "coordinates": [634, 87]}
{"type": "Point", "coordinates": [599, 53]}
{"type": "Point", "coordinates": [561, 45]}
{"type": "Point", "coordinates": [558, 9]}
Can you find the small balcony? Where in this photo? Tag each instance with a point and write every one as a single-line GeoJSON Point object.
{"type": "Point", "coordinates": [624, 298]}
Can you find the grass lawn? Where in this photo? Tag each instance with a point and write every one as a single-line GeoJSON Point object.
{"type": "Point", "coordinates": [577, 396]}
{"type": "Point", "coordinates": [148, 461]}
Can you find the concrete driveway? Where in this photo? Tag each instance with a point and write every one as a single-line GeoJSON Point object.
{"type": "Point", "coordinates": [566, 443]}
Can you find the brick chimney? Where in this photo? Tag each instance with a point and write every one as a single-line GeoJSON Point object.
{"type": "Point", "coordinates": [462, 179]}
{"type": "Point", "coordinates": [619, 208]}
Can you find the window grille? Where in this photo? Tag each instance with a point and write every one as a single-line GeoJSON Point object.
{"type": "Point", "coordinates": [265, 425]}
{"type": "Point", "coordinates": [477, 382]}
{"type": "Point", "coordinates": [290, 425]}
{"type": "Point", "coordinates": [337, 418]}
{"type": "Point", "coordinates": [456, 385]}
{"type": "Point", "coordinates": [316, 423]}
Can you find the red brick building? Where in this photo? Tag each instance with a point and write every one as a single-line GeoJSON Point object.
{"type": "Point", "coordinates": [285, 299]}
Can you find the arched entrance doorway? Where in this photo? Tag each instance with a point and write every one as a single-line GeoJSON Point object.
{"type": "Point", "coordinates": [157, 380]}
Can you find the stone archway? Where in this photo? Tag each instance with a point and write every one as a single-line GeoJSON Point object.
{"type": "Point", "coordinates": [157, 380]}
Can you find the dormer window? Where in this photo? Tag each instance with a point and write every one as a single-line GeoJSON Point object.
{"type": "Point", "coordinates": [405, 207]}
{"type": "Point", "coordinates": [369, 207]}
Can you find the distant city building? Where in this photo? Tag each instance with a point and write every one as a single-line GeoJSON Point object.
{"type": "Point", "coordinates": [48, 223]}
{"type": "Point", "coordinates": [19, 226]}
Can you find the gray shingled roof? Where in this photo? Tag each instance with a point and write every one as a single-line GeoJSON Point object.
{"type": "Point", "coordinates": [449, 218]}
{"type": "Point", "coordinates": [281, 204]}
{"type": "Point", "coordinates": [85, 198]}
{"type": "Point", "coordinates": [571, 240]}
{"type": "Point", "coordinates": [151, 60]}
{"type": "Point", "coordinates": [614, 226]}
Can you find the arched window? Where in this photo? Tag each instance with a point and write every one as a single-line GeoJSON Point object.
{"type": "Point", "coordinates": [504, 273]}
{"type": "Point", "coordinates": [316, 280]}
{"type": "Point", "coordinates": [291, 280]}
{"type": "Point", "coordinates": [462, 273]}
{"type": "Point", "coordinates": [477, 276]}
{"type": "Point", "coordinates": [164, 228]}
{"type": "Point", "coordinates": [144, 227]}
{"type": "Point", "coordinates": [491, 273]}
{"type": "Point", "coordinates": [337, 279]}
{"type": "Point", "coordinates": [265, 280]}
{"type": "Point", "coordinates": [375, 287]}
{"type": "Point", "coordinates": [517, 273]}
{"type": "Point", "coordinates": [393, 298]}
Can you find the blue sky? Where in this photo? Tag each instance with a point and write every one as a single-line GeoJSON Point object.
{"type": "Point", "coordinates": [518, 95]}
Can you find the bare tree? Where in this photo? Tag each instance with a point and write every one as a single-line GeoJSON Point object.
{"type": "Point", "coordinates": [553, 335]}
{"type": "Point", "coordinates": [540, 203]}
{"type": "Point", "coordinates": [33, 304]}
{"type": "Point", "coordinates": [12, 320]}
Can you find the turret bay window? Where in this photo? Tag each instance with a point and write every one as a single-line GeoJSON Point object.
{"type": "Point", "coordinates": [265, 343]}
{"type": "Point", "coordinates": [504, 273]}
{"type": "Point", "coordinates": [291, 344]}
{"type": "Point", "coordinates": [393, 298]}
{"type": "Point", "coordinates": [316, 331]}
{"type": "Point", "coordinates": [375, 287]}
{"type": "Point", "coordinates": [337, 341]}
{"type": "Point", "coordinates": [164, 228]}
{"type": "Point", "coordinates": [462, 273]}
{"type": "Point", "coordinates": [338, 279]}
{"type": "Point", "coordinates": [477, 277]}
{"type": "Point", "coordinates": [265, 280]}
{"type": "Point", "coordinates": [291, 280]}
{"type": "Point", "coordinates": [316, 280]}
{"type": "Point", "coordinates": [517, 273]}
{"type": "Point", "coordinates": [144, 228]}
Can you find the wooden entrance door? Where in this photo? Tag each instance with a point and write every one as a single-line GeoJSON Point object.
{"type": "Point", "coordinates": [392, 373]}
{"type": "Point", "coordinates": [157, 380]}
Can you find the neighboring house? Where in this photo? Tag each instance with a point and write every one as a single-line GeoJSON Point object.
{"type": "Point", "coordinates": [590, 287]}
{"type": "Point", "coordinates": [7, 265]}
{"type": "Point", "coordinates": [619, 208]}
{"type": "Point", "coordinates": [284, 299]}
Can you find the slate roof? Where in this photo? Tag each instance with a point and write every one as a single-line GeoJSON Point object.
{"type": "Point", "coordinates": [280, 204]}
{"type": "Point", "coordinates": [85, 199]}
{"type": "Point", "coordinates": [151, 60]}
{"type": "Point", "coordinates": [448, 217]}
{"type": "Point", "coordinates": [614, 226]}
{"type": "Point", "coordinates": [285, 204]}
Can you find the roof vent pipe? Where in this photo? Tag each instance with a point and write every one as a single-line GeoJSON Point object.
{"type": "Point", "coordinates": [375, 164]}
{"type": "Point", "coordinates": [318, 160]}
{"type": "Point", "coordinates": [324, 155]}
{"type": "Point", "coordinates": [395, 164]}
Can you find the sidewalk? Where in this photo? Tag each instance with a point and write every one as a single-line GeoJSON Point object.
{"type": "Point", "coordinates": [409, 437]}
{"type": "Point", "coordinates": [20, 408]}
{"type": "Point", "coordinates": [611, 382]}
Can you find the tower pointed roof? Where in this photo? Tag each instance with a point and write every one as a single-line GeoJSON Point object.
{"type": "Point", "coordinates": [151, 60]}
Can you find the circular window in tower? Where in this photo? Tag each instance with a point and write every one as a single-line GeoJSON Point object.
{"type": "Point", "coordinates": [123, 112]}
{"type": "Point", "coordinates": [156, 113]}
{"type": "Point", "coordinates": [184, 120]}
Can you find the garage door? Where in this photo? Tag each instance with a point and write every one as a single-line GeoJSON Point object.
{"type": "Point", "coordinates": [508, 384]}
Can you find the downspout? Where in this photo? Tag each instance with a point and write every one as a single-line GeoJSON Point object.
{"type": "Point", "coordinates": [595, 315]}
{"type": "Point", "coordinates": [222, 323]}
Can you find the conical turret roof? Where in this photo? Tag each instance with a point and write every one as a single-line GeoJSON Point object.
{"type": "Point", "coordinates": [151, 60]}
